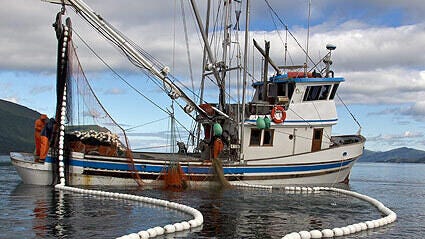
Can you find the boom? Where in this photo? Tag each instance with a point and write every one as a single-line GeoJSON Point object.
{"type": "Point", "coordinates": [120, 40]}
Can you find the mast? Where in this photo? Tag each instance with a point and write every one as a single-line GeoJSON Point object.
{"type": "Point", "coordinates": [266, 70]}
{"type": "Point", "coordinates": [204, 63]}
{"type": "Point", "coordinates": [204, 55]}
{"type": "Point", "coordinates": [308, 37]}
{"type": "Point", "coordinates": [286, 44]}
{"type": "Point", "coordinates": [226, 43]}
{"type": "Point", "coordinates": [245, 73]}
{"type": "Point", "coordinates": [212, 66]}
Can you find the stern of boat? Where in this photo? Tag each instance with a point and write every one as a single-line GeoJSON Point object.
{"type": "Point", "coordinates": [30, 171]}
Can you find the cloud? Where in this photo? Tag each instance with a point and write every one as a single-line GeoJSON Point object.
{"type": "Point", "coordinates": [383, 141]}
{"type": "Point", "coordinates": [378, 46]}
{"type": "Point", "coordinates": [6, 86]}
{"type": "Point", "coordinates": [115, 91]}
{"type": "Point", "coordinates": [41, 89]}
{"type": "Point", "coordinates": [417, 111]}
{"type": "Point", "coordinates": [383, 86]}
{"type": "Point", "coordinates": [160, 134]}
{"type": "Point", "coordinates": [387, 111]}
{"type": "Point", "coordinates": [12, 99]}
{"type": "Point", "coordinates": [396, 137]}
{"type": "Point", "coordinates": [94, 113]}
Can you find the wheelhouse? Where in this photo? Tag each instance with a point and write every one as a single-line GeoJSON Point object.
{"type": "Point", "coordinates": [310, 113]}
{"type": "Point", "coordinates": [281, 88]}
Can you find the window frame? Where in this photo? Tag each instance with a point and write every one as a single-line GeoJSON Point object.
{"type": "Point", "coordinates": [259, 137]}
{"type": "Point", "coordinates": [316, 90]}
{"type": "Point", "coordinates": [333, 91]}
{"type": "Point", "coordinates": [261, 134]}
{"type": "Point", "coordinates": [271, 139]}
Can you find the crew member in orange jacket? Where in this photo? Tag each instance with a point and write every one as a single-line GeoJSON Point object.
{"type": "Point", "coordinates": [46, 135]}
{"type": "Point", "coordinates": [217, 147]}
{"type": "Point", "coordinates": [38, 126]}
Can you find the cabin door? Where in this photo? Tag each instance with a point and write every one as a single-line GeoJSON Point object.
{"type": "Point", "coordinates": [317, 140]}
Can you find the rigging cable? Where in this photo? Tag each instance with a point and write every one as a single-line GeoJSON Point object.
{"type": "Point", "coordinates": [193, 125]}
{"type": "Point", "coordinates": [127, 83]}
{"type": "Point", "coordinates": [150, 122]}
{"type": "Point", "coordinates": [117, 74]}
{"type": "Point", "coordinates": [130, 58]}
{"type": "Point", "coordinates": [290, 33]}
{"type": "Point", "coordinates": [322, 124]}
{"type": "Point", "coordinates": [141, 51]}
{"type": "Point", "coordinates": [346, 107]}
{"type": "Point", "coordinates": [187, 47]}
{"type": "Point", "coordinates": [280, 37]}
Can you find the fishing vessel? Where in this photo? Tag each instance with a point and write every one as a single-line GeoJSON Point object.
{"type": "Point", "coordinates": [281, 136]}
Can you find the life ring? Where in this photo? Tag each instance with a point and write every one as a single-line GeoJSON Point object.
{"type": "Point", "coordinates": [278, 114]}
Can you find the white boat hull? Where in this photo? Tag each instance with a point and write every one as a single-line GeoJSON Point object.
{"type": "Point", "coordinates": [30, 171]}
{"type": "Point", "coordinates": [328, 166]}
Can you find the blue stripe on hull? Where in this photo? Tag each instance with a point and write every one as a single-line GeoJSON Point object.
{"type": "Point", "coordinates": [303, 121]}
{"type": "Point", "coordinates": [208, 169]}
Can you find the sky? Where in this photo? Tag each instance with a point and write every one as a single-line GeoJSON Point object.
{"type": "Point", "coordinates": [380, 49]}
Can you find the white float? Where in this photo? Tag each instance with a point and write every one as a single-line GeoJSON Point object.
{"type": "Point", "coordinates": [390, 216]}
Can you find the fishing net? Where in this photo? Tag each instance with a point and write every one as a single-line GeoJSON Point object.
{"type": "Point", "coordinates": [174, 177]}
{"type": "Point", "coordinates": [89, 128]}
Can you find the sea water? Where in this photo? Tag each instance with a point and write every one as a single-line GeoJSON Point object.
{"type": "Point", "coordinates": [29, 211]}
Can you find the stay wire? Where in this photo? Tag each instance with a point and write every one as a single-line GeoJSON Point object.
{"type": "Point", "coordinates": [187, 47]}
{"type": "Point", "coordinates": [298, 136]}
{"type": "Point", "coordinates": [117, 74]}
{"type": "Point", "coordinates": [290, 33]}
{"type": "Point", "coordinates": [279, 34]}
{"type": "Point", "coordinates": [346, 107]}
{"type": "Point", "coordinates": [150, 122]}
{"type": "Point", "coordinates": [320, 118]}
{"type": "Point", "coordinates": [130, 58]}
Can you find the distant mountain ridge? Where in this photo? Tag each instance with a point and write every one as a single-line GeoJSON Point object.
{"type": "Point", "coordinates": [398, 155]}
{"type": "Point", "coordinates": [16, 127]}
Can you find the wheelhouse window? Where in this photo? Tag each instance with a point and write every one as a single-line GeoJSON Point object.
{"type": "Point", "coordinates": [280, 93]}
{"type": "Point", "coordinates": [324, 92]}
{"type": "Point", "coordinates": [268, 137]}
{"type": "Point", "coordinates": [332, 96]}
{"type": "Point", "coordinates": [258, 93]}
{"type": "Point", "coordinates": [318, 92]}
{"type": "Point", "coordinates": [261, 137]}
{"type": "Point", "coordinates": [291, 87]}
{"type": "Point", "coordinates": [255, 137]}
{"type": "Point", "coordinates": [281, 89]}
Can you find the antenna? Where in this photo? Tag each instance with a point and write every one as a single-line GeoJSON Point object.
{"type": "Point", "coordinates": [327, 59]}
{"type": "Point", "coordinates": [308, 37]}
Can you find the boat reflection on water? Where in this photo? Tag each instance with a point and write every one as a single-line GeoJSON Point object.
{"type": "Point", "coordinates": [46, 220]}
{"type": "Point", "coordinates": [40, 213]}
{"type": "Point", "coordinates": [57, 214]}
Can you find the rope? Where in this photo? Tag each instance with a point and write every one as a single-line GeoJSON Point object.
{"type": "Point", "coordinates": [116, 73]}
{"type": "Point", "coordinates": [354, 118]}
{"type": "Point", "coordinates": [320, 118]}
{"type": "Point", "coordinates": [130, 85]}
{"type": "Point", "coordinates": [141, 125]}
{"type": "Point", "coordinates": [290, 33]}
{"type": "Point", "coordinates": [280, 37]}
{"type": "Point", "coordinates": [187, 47]}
